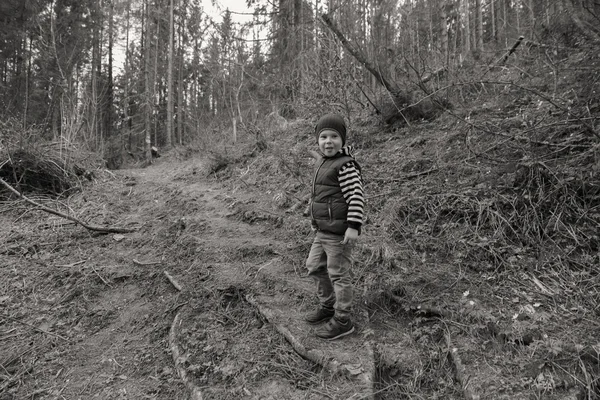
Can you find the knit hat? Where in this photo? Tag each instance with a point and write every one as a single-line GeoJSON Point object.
{"type": "Point", "coordinates": [334, 122]}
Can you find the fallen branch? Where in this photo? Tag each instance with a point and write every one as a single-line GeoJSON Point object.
{"type": "Point", "coordinates": [70, 218]}
{"type": "Point", "coordinates": [70, 265]}
{"type": "Point", "coordinates": [143, 264]}
{"type": "Point", "coordinates": [531, 43]}
{"type": "Point", "coordinates": [172, 280]}
{"type": "Point", "coordinates": [101, 278]}
{"type": "Point", "coordinates": [502, 60]}
{"type": "Point", "coordinates": [35, 327]}
{"type": "Point", "coordinates": [542, 288]}
{"type": "Point", "coordinates": [264, 265]}
{"type": "Point", "coordinates": [512, 49]}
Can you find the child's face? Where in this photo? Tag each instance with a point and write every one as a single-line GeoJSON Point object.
{"type": "Point", "coordinates": [330, 142]}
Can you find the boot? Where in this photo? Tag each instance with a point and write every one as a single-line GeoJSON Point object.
{"type": "Point", "coordinates": [322, 314]}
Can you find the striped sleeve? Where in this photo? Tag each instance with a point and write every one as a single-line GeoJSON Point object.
{"type": "Point", "coordinates": [351, 184]}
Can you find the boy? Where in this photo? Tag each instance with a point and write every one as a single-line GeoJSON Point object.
{"type": "Point", "coordinates": [336, 210]}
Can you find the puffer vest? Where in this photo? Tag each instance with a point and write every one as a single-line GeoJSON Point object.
{"type": "Point", "coordinates": [328, 207]}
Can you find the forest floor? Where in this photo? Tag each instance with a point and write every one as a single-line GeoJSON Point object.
{"type": "Point", "coordinates": [205, 298]}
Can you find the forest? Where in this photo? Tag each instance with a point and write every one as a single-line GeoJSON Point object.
{"type": "Point", "coordinates": [155, 162]}
{"type": "Point", "coordinates": [118, 77]}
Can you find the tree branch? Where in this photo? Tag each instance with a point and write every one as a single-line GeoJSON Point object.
{"type": "Point", "coordinates": [70, 218]}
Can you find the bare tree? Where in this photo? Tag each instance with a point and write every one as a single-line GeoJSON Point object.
{"type": "Point", "coordinates": [443, 24]}
{"type": "Point", "coordinates": [147, 85]}
{"type": "Point", "coordinates": [466, 17]}
{"type": "Point", "coordinates": [479, 27]}
{"type": "Point", "coordinates": [169, 137]}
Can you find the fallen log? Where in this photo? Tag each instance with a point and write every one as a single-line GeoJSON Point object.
{"type": "Point", "coordinates": [359, 56]}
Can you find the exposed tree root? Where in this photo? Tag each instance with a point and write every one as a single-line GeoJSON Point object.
{"type": "Point", "coordinates": [317, 356]}
{"type": "Point", "coordinates": [460, 371]}
{"type": "Point", "coordinates": [195, 393]}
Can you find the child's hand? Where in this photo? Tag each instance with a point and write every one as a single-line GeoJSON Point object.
{"type": "Point", "coordinates": [350, 236]}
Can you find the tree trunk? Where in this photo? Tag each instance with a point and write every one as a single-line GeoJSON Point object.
{"type": "Point", "coordinates": [195, 92]}
{"type": "Point", "coordinates": [27, 77]}
{"type": "Point", "coordinates": [297, 62]}
{"type": "Point", "coordinates": [156, 103]}
{"type": "Point", "coordinates": [532, 21]}
{"type": "Point", "coordinates": [170, 80]}
{"type": "Point", "coordinates": [479, 31]}
{"type": "Point", "coordinates": [504, 21]}
{"type": "Point", "coordinates": [359, 56]}
{"type": "Point", "coordinates": [180, 114]}
{"type": "Point", "coordinates": [126, 100]}
{"type": "Point", "coordinates": [493, 20]}
{"type": "Point", "coordinates": [432, 37]}
{"type": "Point", "coordinates": [147, 88]}
{"type": "Point", "coordinates": [467, 29]}
{"type": "Point", "coordinates": [93, 108]}
{"type": "Point", "coordinates": [109, 88]}
{"type": "Point", "coordinates": [518, 15]}
{"type": "Point", "coordinates": [100, 89]}
{"type": "Point", "coordinates": [444, 33]}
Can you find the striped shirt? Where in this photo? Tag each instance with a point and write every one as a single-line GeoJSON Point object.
{"type": "Point", "coordinates": [351, 185]}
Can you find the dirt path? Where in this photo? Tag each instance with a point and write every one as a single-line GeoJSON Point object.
{"type": "Point", "coordinates": [86, 315]}
{"type": "Point", "coordinates": [93, 316]}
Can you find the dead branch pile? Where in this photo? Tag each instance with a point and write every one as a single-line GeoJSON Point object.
{"type": "Point", "coordinates": [43, 171]}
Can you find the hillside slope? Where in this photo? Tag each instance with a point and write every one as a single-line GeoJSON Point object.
{"type": "Point", "coordinates": [476, 275]}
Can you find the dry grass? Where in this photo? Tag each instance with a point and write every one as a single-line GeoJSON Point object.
{"type": "Point", "coordinates": [482, 225]}
{"type": "Point", "coordinates": [482, 234]}
{"type": "Point", "coordinates": [30, 165]}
